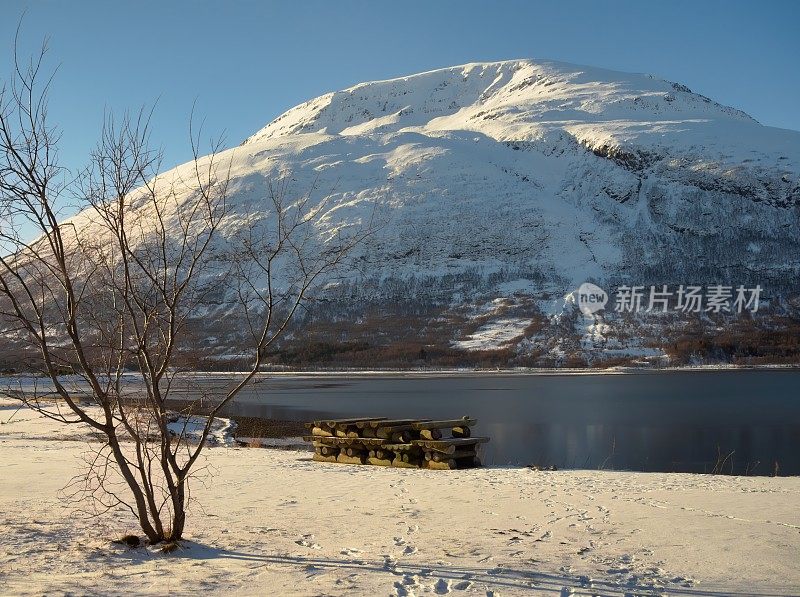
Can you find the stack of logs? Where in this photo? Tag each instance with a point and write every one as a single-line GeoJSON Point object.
{"type": "Point", "coordinates": [405, 443]}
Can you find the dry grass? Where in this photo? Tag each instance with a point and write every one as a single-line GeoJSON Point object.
{"type": "Point", "coordinates": [131, 541]}
{"type": "Point", "coordinates": [170, 546]}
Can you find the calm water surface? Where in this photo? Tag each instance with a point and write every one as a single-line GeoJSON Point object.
{"type": "Point", "coordinates": [657, 421]}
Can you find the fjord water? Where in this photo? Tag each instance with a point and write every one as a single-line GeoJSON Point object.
{"type": "Point", "coordinates": [651, 421]}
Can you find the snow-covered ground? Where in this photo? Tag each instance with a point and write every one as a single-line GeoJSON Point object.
{"type": "Point", "coordinates": [275, 522]}
{"type": "Point", "coordinates": [191, 427]}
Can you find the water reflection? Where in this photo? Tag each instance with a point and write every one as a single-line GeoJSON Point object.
{"type": "Point", "coordinates": [676, 421]}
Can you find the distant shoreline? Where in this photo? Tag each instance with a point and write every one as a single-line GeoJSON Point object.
{"type": "Point", "coordinates": [423, 373]}
{"type": "Point", "coordinates": [391, 373]}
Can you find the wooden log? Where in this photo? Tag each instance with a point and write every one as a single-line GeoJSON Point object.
{"type": "Point", "coordinates": [327, 451]}
{"type": "Point", "coordinates": [402, 431]}
{"type": "Point", "coordinates": [367, 432]}
{"type": "Point", "coordinates": [462, 431]}
{"type": "Point", "coordinates": [401, 437]}
{"type": "Point", "coordinates": [414, 456]}
{"type": "Point", "coordinates": [346, 431]}
{"type": "Point", "coordinates": [430, 433]}
{"type": "Point", "coordinates": [428, 455]}
{"type": "Point", "coordinates": [321, 432]}
{"type": "Point", "coordinates": [334, 423]}
{"type": "Point", "coordinates": [352, 441]}
{"type": "Point", "coordinates": [379, 461]}
{"type": "Point", "coordinates": [398, 463]}
{"type": "Point", "coordinates": [375, 423]}
{"type": "Point", "coordinates": [448, 424]}
{"type": "Point", "coordinates": [398, 447]}
{"type": "Point", "coordinates": [448, 446]}
{"type": "Point", "coordinates": [321, 458]}
{"type": "Point", "coordinates": [444, 465]}
{"type": "Point", "coordinates": [464, 453]}
{"type": "Point", "coordinates": [363, 442]}
{"type": "Point", "coordinates": [354, 451]}
{"type": "Point", "coordinates": [345, 459]}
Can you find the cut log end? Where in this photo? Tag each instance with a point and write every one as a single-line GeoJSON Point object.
{"type": "Point", "coordinates": [431, 434]}
{"type": "Point", "coordinates": [462, 432]}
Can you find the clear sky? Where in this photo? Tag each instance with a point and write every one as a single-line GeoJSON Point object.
{"type": "Point", "coordinates": [246, 62]}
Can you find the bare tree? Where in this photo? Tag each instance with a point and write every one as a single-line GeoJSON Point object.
{"type": "Point", "coordinates": [116, 289]}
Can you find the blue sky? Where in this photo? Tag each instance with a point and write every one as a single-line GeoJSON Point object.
{"type": "Point", "coordinates": [246, 62]}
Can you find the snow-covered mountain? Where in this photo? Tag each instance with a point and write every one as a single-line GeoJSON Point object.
{"type": "Point", "coordinates": [563, 168]}
{"type": "Point", "coordinates": [505, 185]}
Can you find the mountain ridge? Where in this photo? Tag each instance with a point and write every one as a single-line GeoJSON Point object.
{"type": "Point", "coordinates": [506, 185]}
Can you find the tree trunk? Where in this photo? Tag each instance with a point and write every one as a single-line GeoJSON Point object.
{"type": "Point", "coordinates": [178, 512]}
{"type": "Point", "coordinates": [153, 535]}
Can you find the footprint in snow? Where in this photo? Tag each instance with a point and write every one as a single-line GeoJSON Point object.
{"type": "Point", "coordinates": [495, 571]}
{"type": "Point", "coordinates": [442, 586]}
{"type": "Point", "coordinates": [586, 581]}
{"type": "Point", "coordinates": [402, 591]}
{"type": "Point", "coordinates": [313, 570]}
{"type": "Point", "coordinates": [405, 586]}
{"type": "Point", "coordinates": [685, 581]}
{"type": "Point", "coordinates": [307, 543]}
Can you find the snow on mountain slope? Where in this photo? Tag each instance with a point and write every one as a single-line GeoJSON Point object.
{"type": "Point", "coordinates": [537, 173]}
{"type": "Point", "coordinates": [522, 101]}
{"type": "Point", "coordinates": [542, 164]}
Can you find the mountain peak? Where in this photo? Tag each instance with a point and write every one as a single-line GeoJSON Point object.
{"type": "Point", "coordinates": [513, 100]}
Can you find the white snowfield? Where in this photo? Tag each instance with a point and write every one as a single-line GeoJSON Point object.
{"type": "Point", "coordinates": [494, 334]}
{"type": "Point", "coordinates": [273, 522]}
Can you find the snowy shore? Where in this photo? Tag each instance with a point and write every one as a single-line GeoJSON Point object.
{"type": "Point", "coordinates": [500, 372]}
{"type": "Point", "coordinates": [275, 522]}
